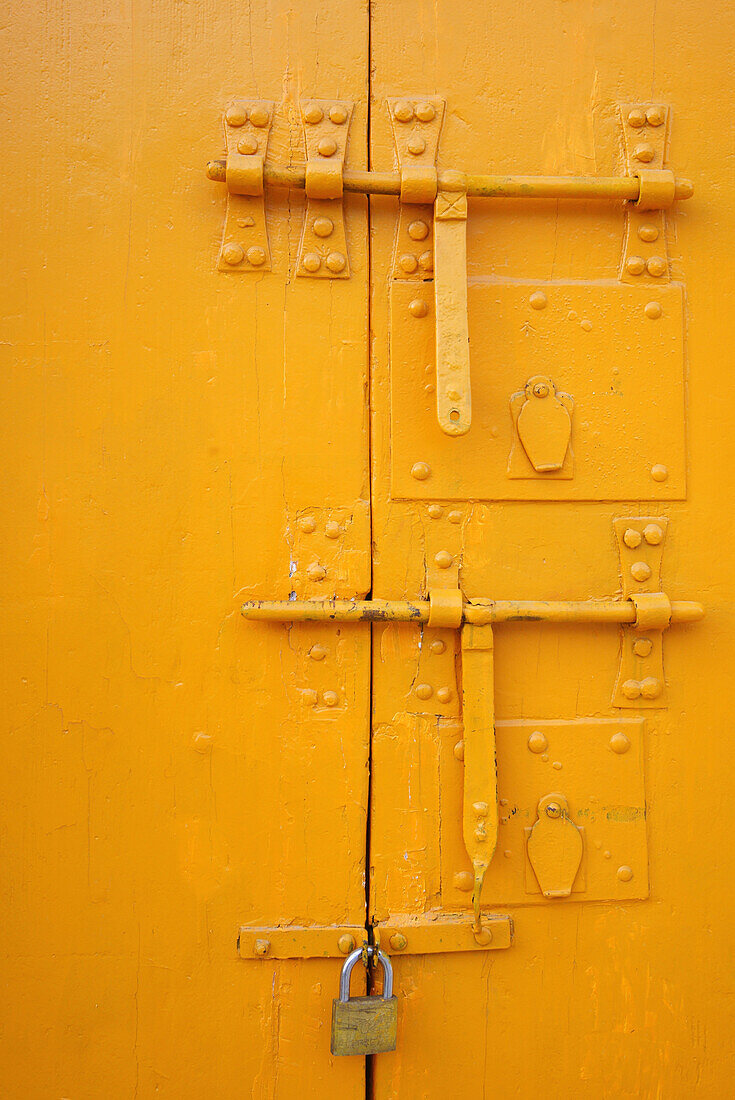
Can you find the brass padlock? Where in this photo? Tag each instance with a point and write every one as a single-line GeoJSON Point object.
{"type": "Point", "coordinates": [364, 1025]}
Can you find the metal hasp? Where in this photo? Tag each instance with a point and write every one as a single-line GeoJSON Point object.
{"type": "Point", "coordinates": [446, 607]}
{"type": "Point", "coordinates": [364, 1025]}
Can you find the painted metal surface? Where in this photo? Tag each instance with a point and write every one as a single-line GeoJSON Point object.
{"type": "Point", "coordinates": [204, 812]}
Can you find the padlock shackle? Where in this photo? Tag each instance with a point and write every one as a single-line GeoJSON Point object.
{"type": "Point", "coordinates": [349, 964]}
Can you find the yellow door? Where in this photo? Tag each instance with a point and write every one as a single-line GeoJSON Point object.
{"type": "Point", "coordinates": [463, 453]}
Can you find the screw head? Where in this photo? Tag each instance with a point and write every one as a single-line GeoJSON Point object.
{"type": "Point", "coordinates": [327, 147]}
{"type": "Point", "coordinates": [438, 646]}
{"type": "Point", "coordinates": [313, 114]}
{"type": "Point", "coordinates": [553, 810]}
{"type": "Point", "coordinates": [323, 227]}
{"type": "Point", "coordinates": [259, 116]}
{"type": "Point", "coordinates": [625, 874]}
{"type": "Point", "coordinates": [236, 115]}
{"type": "Point", "coordinates": [233, 254]}
{"type": "Point", "coordinates": [398, 941]}
{"type": "Point", "coordinates": [541, 389]}
{"type": "Point", "coordinates": [338, 115]}
{"type": "Point", "coordinates": [262, 947]}
{"type": "Point", "coordinates": [408, 263]}
{"type": "Point", "coordinates": [317, 652]}
{"type": "Point", "coordinates": [538, 300]}
{"type": "Point", "coordinates": [346, 943]}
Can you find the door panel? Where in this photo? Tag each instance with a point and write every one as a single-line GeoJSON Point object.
{"type": "Point", "coordinates": [611, 990]}
{"type": "Point", "coordinates": [167, 776]}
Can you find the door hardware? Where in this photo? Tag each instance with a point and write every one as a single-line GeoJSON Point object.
{"type": "Point", "coordinates": [365, 1025]}
{"type": "Point", "coordinates": [555, 847]}
{"type": "Point", "coordinates": [644, 611]}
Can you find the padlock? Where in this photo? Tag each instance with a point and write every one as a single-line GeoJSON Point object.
{"type": "Point", "coordinates": [364, 1025]}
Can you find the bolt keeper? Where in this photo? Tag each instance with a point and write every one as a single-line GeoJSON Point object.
{"type": "Point", "coordinates": [244, 174]}
{"type": "Point", "coordinates": [418, 183]}
{"type": "Point", "coordinates": [652, 610]}
{"type": "Point", "coordinates": [657, 188]}
{"type": "Point", "coordinates": [445, 607]}
{"type": "Point", "coordinates": [324, 179]}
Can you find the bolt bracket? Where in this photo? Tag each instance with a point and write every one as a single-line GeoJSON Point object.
{"type": "Point", "coordinates": [645, 131]}
{"type": "Point", "coordinates": [640, 683]}
{"type": "Point", "coordinates": [244, 248]}
{"type": "Point", "coordinates": [323, 247]}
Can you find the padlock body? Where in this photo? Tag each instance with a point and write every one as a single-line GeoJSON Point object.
{"type": "Point", "coordinates": [364, 1025]}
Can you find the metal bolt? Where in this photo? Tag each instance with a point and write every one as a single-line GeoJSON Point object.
{"type": "Point", "coordinates": [420, 470]}
{"type": "Point", "coordinates": [481, 808]}
{"type": "Point", "coordinates": [408, 263]}
{"type": "Point", "coordinates": [337, 115]}
{"type": "Point", "coordinates": [435, 511]}
{"type": "Point", "coordinates": [403, 111]}
{"type": "Point", "coordinates": [636, 119]}
{"type": "Point", "coordinates": [312, 261]}
{"type": "Point", "coordinates": [346, 943]}
{"type": "Point", "coordinates": [426, 261]}
{"type": "Point", "coordinates": [330, 698]}
{"type": "Point", "coordinates": [653, 534]}
{"type": "Point", "coordinates": [233, 254]}
{"type": "Point", "coordinates": [652, 310]}
{"type": "Point", "coordinates": [648, 232]}
{"type": "Point", "coordinates": [317, 652]}
{"type": "Point", "coordinates": [644, 152]}
{"type": "Point", "coordinates": [650, 687]}
{"type": "Point", "coordinates": [259, 116]}
{"type": "Point", "coordinates": [655, 116]}
{"type": "Point", "coordinates": [424, 691]}
{"type": "Point", "coordinates": [464, 880]}
{"type": "Point", "coordinates": [247, 145]}
{"type": "Point", "coordinates": [438, 646]}
{"type": "Point", "coordinates": [262, 947]}
{"type": "Point", "coordinates": [625, 874]}
{"type": "Point", "coordinates": [538, 300]}
{"type": "Point", "coordinates": [640, 571]}
{"type": "Point", "coordinates": [553, 810]}
{"type": "Point", "coordinates": [444, 694]}
{"type": "Point", "coordinates": [632, 538]}
{"type": "Point", "coordinates": [631, 689]}
{"type": "Point", "coordinates": [459, 751]}
{"type": "Point", "coordinates": [316, 572]}
{"type": "Point", "coordinates": [619, 743]}
{"type": "Point", "coordinates": [336, 262]}
{"type": "Point", "coordinates": [418, 308]}
{"type": "Point", "coordinates": [541, 389]}
{"type": "Point", "coordinates": [256, 255]}
{"type": "Point", "coordinates": [323, 227]}
{"type": "Point", "coordinates": [443, 559]}
{"type": "Point", "coordinates": [642, 647]}
{"type": "Point", "coordinates": [537, 742]}
{"type": "Point", "coordinates": [398, 941]}
{"type": "Point", "coordinates": [327, 147]}
{"type": "Point", "coordinates": [236, 116]}
{"type": "Point", "coordinates": [418, 230]}
{"type": "Point", "coordinates": [656, 266]}
{"type": "Point", "coordinates": [313, 114]}
{"type": "Point", "coordinates": [425, 112]}
{"type": "Point", "coordinates": [416, 146]}
{"type": "Point", "coordinates": [307, 524]}
{"type": "Point", "coordinates": [659, 473]}
{"type": "Point", "coordinates": [332, 530]}
{"type": "Point", "coordinates": [635, 265]}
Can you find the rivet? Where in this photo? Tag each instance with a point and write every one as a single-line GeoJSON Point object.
{"type": "Point", "coordinates": [323, 227]}
{"type": "Point", "coordinates": [650, 687]}
{"type": "Point", "coordinates": [424, 691]}
{"type": "Point", "coordinates": [232, 253]}
{"type": "Point", "coordinates": [644, 152]}
{"type": "Point", "coordinates": [481, 808]}
{"type": "Point", "coordinates": [656, 266]}
{"type": "Point", "coordinates": [640, 571]}
{"type": "Point", "coordinates": [607, 855]}
{"type": "Point", "coordinates": [336, 262]}
{"type": "Point", "coordinates": [236, 116]}
{"type": "Point", "coordinates": [459, 750]}
{"type": "Point", "coordinates": [426, 261]}
{"type": "Point", "coordinates": [247, 145]}
{"type": "Point", "coordinates": [327, 147]}
{"type": "Point", "coordinates": [636, 119]}
{"type": "Point", "coordinates": [444, 694]}
{"type": "Point", "coordinates": [635, 265]}
{"type": "Point", "coordinates": [416, 145]}
{"type": "Point", "coordinates": [418, 308]}
{"type": "Point", "coordinates": [541, 389]}
{"type": "Point", "coordinates": [659, 472]}
{"type": "Point", "coordinates": [507, 853]}
{"type": "Point", "coordinates": [652, 310]}
{"type": "Point", "coordinates": [455, 517]}
{"type": "Point", "coordinates": [403, 110]}
{"type": "Point", "coordinates": [312, 261]}
{"type": "Point", "coordinates": [625, 874]}
{"type": "Point", "coordinates": [648, 232]}
{"type": "Point", "coordinates": [317, 652]}
{"type": "Point", "coordinates": [420, 470]}
{"type": "Point", "coordinates": [307, 524]}
{"type": "Point", "coordinates": [418, 231]}
{"type": "Point", "coordinates": [585, 324]}
{"type": "Point", "coordinates": [316, 572]}
{"type": "Point", "coordinates": [537, 742]}
{"type": "Point", "coordinates": [435, 510]}
{"type": "Point", "coordinates": [538, 300]}
{"type": "Point", "coordinates": [653, 534]}
{"type": "Point", "coordinates": [425, 112]}
{"type": "Point", "coordinates": [557, 765]}
{"type": "Point", "coordinates": [259, 116]}
{"type": "Point", "coordinates": [642, 647]}
{"type": "Point", "coordinates": [330, 698]}
{"type": "Point", "coordinates": [313, 114]}
{"type": "Point", "coordinates": [480, 834]}
{"type": "Point", "coordinates": [631, 689]}
{"type": "Point", "coordinates": [408, 263]}
{"type": "Point", "coordinates": [553, 810]}
{"type": "Point", "coordinates": [398, 941]}
{"type": "Point", "coordinates": [256, 255]}
{"type": "Point", "coordinates": [619, 743]}
{"type": "Point", "coordinates": [202, 741]}
{"type": "Point", "coordinates": [332, 530]}
{"type": "Point", "coordinates": [443, 559]}
{"type": "Point", "coordinates": [655, 116]}
{"type": "Point", "coordinates": [632, 538]}
{"type": "Point", "coordinates": [262, 947]}
{"type": "Point", "coordinates": [429, 387]}
{"type": "Point", "coordinates": [438, 646]}
{"type": "Point", "coordinates": [309, 697]}
{"type": "Point", "coordinates": [464, 880]}
{"type": "Point", "coordinates": [337, 115]}
{"type": "Point", "coordinates": [346, 944]}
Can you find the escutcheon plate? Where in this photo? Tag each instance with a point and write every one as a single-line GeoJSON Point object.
{"type": "Point", "coordinates": [618, 350]}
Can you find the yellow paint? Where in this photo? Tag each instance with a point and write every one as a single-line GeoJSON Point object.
{"type": "Point", "coordinates": [185, 435]}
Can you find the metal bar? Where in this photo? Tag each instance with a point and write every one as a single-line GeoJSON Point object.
{"type": "Point", "coordinates": [478, 612]}
{"type": "Point", "coordinates": [611, 188]}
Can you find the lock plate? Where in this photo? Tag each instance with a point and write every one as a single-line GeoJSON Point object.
{"type": "Point", "coordinates": [364, 1025]}
{"type": "Point", "coordinates": [616, 350]}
